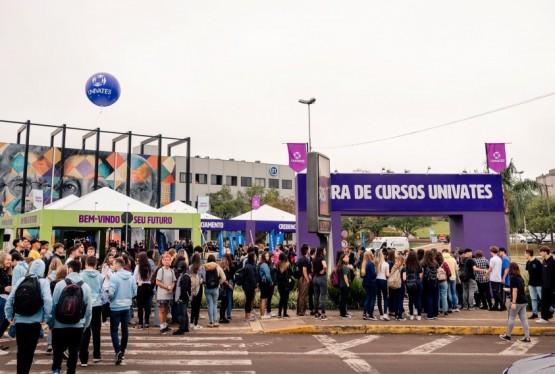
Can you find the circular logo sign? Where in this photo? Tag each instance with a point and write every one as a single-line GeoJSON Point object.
{"type": "Point", "coordinates": [102, 89]}
{"type": "Point", "coordinates": [344, 233]}
{"type": "Point", "coordinates": [273, 171]}
{"type": "Point", "coordinates": [344, 244]}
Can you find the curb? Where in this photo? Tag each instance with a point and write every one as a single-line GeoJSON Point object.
{"type": "Point", "coordinates": [407, 329]}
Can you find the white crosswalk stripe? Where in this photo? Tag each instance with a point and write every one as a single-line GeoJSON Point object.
{"type": "Point", "coordinates": [518, 348]}
{"type": "Point", "coordinates": [432, 346]}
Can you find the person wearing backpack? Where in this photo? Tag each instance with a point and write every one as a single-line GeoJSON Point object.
{"type": "Point", "coordinates": [468, 280]}
{"type": "Point", "coordinates": [430, 285]}
{"type": "Point", "coordinates": [368, 274]}
{"type": "Point", "coordinates": [29, 304]}
{"type": "Point", "coordinates": [94, 279]}
{"type": "Point", "coordinates": [452, 299]}
{"type": "Point", "coordinates": [182, 298]}
{"type": "Point", "coordinates": [344, 284]}
{"type": "Point", "coordinates": [304, 280]}
{"type": "Point", "coordinates": [443, 275]}
{"type": "Point", "coordinates": [165, 284]}
{"type": "Point", "coordinates": [397, 288]}
{"type": "Point", "coordinates": [413, 284]}
{"type": "Point", "coordinates": [214, 277]}
{"type": "Point", "coordinates": [71, 312]}
{"type": "Point", "coordinates": [122, 290]}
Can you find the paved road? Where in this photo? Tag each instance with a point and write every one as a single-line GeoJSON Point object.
{"type": "Point", "coordinates": [254, 353]}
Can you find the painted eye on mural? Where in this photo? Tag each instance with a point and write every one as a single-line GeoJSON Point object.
{"type": "Point", "coordinates": [71, 187]}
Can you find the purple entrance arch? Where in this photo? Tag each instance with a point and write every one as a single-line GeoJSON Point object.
{"type": "Point", "coordinates": [473, 203]}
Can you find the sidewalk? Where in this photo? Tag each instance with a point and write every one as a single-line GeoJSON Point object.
{"type": "Point", "coordinates": [477, 322]}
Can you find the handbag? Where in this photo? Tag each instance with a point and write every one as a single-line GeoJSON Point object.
{"type": "Point", "coordinates": [223, 294]}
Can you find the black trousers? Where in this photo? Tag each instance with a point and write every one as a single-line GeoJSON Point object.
{"type": "Point", "coordinates": [94, 330]}
{"type": "Point", "coordinates": [195, 307]}
{"type": "Point", "coordinates": [283, 299]}
{"type": "Point", "coordinates": [547, 301]}
{"type": "Point", "coordinates": [27, 337]}
{"type": "Point", "coordinates": [144, 303]}
{"type": "Point", "coordinates": [270, 296]}
{"type": "Point", "coordinates": [484, 296]}
{"type": "Point", "coordinates": [223, 306]}
{"type": "Point", "coordinates": [343, 299]}
{"type": "Point", "coordinates": [62, 339]}
{"type": "Point", "coordinates": [497, 288]}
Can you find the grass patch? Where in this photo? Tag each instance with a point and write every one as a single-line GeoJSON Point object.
{"type": "Point", "coordinates": [440, 228]}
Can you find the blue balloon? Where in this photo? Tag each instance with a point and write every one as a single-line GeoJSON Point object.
{"type": "Point", "coordinates": [102, 89]}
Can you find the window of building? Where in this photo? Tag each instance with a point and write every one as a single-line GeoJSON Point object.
{"type": "Point", "coordinates": [273, 183]}
{"type": "Point", "coordinates": [201, 178]}
{"type": "Point", "coordinates": [246, 182]}
{"type": "Point", "coordinates": [216, 180]}
{"type": "Point", "coordinates": [260, 182]}
{"type": "Point", "coordinates": [183, 177]}
{"type": "Point", "coordinates": [231, 180]}
{"type": "Point", "coordinates": [287, 184]}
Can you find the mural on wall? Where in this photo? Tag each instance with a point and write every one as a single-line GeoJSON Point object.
{"type": "Point", "coordinates": [44, 170]}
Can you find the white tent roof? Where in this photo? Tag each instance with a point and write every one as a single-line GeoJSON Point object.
{"type": "Point", "coordinates": [108, 200]}
{"type": "Point", "coordinates": [180, 207]}
{"type": "Point", "coordinates": [60, 204]}
{"type": "Point", "coordinates": [266, 213]}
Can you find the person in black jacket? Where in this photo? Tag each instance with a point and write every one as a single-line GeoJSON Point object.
{"type": "Point", "coordinates": [249, 284]}
{"type": "Point", "coordinates": [548, 285]}
{"type": "Point", "coordinates": [534, 269]}
{"type": "Point", "coordinates": [182, 297]}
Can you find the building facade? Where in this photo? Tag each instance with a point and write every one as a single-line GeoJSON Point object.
{"type": "Point", "coordinates": [548, 182]}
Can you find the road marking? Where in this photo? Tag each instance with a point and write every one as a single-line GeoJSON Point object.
{"type": "Point", "coordinates": [133, 352]}
{"type": "Point", "coordinates": [432, 346]}
{"type": "Point", "coordinates": [346, 345]}
{"type": "Point", "coordinates": [187, 344]}
{"type": "Point", "coordinates": [157, 362]}
{"type": "Point", "coordinates": [349, 358]}
{"type": "Point", "coordinates": [158, 372]}
{"type": "Point", "coordinates": [518, 348]}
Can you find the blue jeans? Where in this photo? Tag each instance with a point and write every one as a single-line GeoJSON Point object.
{"type": "Point", "coordinates": [370, 300]}
{"type": "Point", "coordinates": [443, 290]}
{"type": "Point", "coordinates": [535, 294]}
{"type": "Point", "coordinates": [229, 302]}
{"type": "Point", "coordinates": [415, 301]}
{"type": "Point", "coordinates": [452, 294]}
{"type": "Point", "coordinates": [117, 317]}
{"type": "Point", "coordinates": [212, 301]}
{"type": "Point", "coordinates": [382, 290]}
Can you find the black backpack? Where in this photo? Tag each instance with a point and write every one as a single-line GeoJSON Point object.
{"type": "Point", "coordinates": [431, 275]}
{"type": "Point", "coordinates": [296, 269]}
{"type": "Point", "coordinates": [28, 297]}
{"type": "Point", "coordinates": [463, 275]}
{"type": "Point", "coordinates": [212, 278]}
{"type": "Point", "coordinates": [239, 277]}
{"type": "Point", "coordinates": [71, 305]}
{"type": "Point", "coordinates": [412, 281]}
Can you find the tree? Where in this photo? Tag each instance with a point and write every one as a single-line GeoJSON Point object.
{"type": "Point", "coordinates": [223, 204]}
{"type": "Point", "coordinates": [538, 220]}
{"type": "Point", "coordinates": [408, 225]}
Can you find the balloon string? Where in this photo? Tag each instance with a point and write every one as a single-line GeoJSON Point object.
{"type": "Point", "coordinates": [98, 117]}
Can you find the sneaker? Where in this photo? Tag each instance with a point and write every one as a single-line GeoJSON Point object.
{"type": "Point", "coordinates": [418, 318]}
{"type": "Point", "coordinates": [163, 331]}
{"type": "Point", "coordinates": [273, 315]}
{"type": "Point", "coordinates": [56, 371]}
{"type": "Point", "coordinates": [279, 316]}
{"type": "Point", "coordinates": [4, 353]}
{"type": "Point", "coordinates": [146, 326]}
{"type": "Point", "coordinates": [48, 350]}
{"type": "Point", "coordinates": [525, 340]}
{"type": "Point", "coordinates": [533, 316]}
{"type": "Point", "coordinates": [252, 319]}
{"type": "Point", "coordinates": [97, 359]}
{"type": "Point", "coordinates": [84, 364]}
{"type": "Point", "coordinates": [400, 319]}
{"type": "Point", "coordinates": [224, 320]}
{"type": "Point", "coordinates": [345, 316]}
{"type": "Point", "coordinates": [371, 318]}
{"type": "Point", "coordinates": [266, 316]}
{"type": "Point", "coordinates": [316, 315]}
{"type": "Point", "coordinates": [197, 327]}
{"type": "Point", "coordinates": [323, 317]}
{"type": "Point", "coordinates": [386, 317]}
{"type": "Point", "coordinates": [472, 308]}
{"type": "Point", "coordinates": [456, 310]}
{"type": "Point", "coordinates": [411, 318]}
{"type": "Point", "coordinates": [286, 316]}
{"type": "Point", "coordinates": [365, 317]}
{"type": "Point", "coordinates": [210, 325]}
{"type": "Point", "coordinates": [178, 332]}
{"type": "Point", "coordinates": [119, 358]}
{"type": "Point", "coordinates": [138, 327]}
{"type": "Point", "coordinates": [542, 321]}
{"type": "Point", "coordinates": [216, 325]}
{"type": "Point", "coordinates": [65, 355]}
{"type": "Point", "coordinates": [505, 337]}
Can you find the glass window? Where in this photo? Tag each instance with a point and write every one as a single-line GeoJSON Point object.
{"type": "Point", "coordinates": [287, 184]}
{"type": "Point", "coordinates": [201, 178]}
{"type": "Point", "coordinates": [246, 182]}
{"type": "Point", "coordinates": [231, 180]}
{"type": "Point", "coordinates": [216, 180]}
{"type": "Point", "coordinates": [260, 182]}
{"type": "Point", "coordinates": [273, 183]}
{"type": "Point", "coordinates": [183, 177]}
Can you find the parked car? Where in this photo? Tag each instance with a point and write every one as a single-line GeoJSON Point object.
{"type": "Point", "coordinates": [536, 364]}
{"type": "Point", "coordinates": [523, 238]}
{"type": "Point", "coordinates": [547, 239]}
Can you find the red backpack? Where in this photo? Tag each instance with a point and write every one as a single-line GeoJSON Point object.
{"type": "Point", "coordinates": [334, 278]}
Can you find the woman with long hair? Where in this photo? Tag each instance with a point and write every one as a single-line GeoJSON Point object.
{"type": "Point", "coordinates": [443, 275]}
{"type": "Point", "coordinates": [382, 273]}
{"type": "Point", "coordinates": [249, 284]}
{"type": "Point", "coordinates": [196, 289]}
{"type": "Point", "coordinates": [368, 274]}
{"type": "Point", "coordinates": [397, 295]}
{"type": "Point", "coordinates": [143, 275]}
{"type": "Point", "coordinates": [61, 274]}
{"type": "Point", "coordinates": [230, 278]}
{"type": "Point", "coordinates": [283, 282]}
{"type": "Point", "coordinates": [224, 301]}
{"type": "Point", "coordinates": [519, 302]}
{"type": "Point", "coordinates": [430, 285]}
{"type": "Point", "coordinates": [413, 284]}
{"type": "Point", "coordinates": [265, 285]}
{"type": "Point", "coordinates": [320, 283]}
{"type": "Point", "coordinates": [55, 263]}
{"type": "Point", "coordinates": [107, 271]}
{"type": "Point", "coordinates": [5, 289]}
{"type": "Point", "coordinates": [344, 273]}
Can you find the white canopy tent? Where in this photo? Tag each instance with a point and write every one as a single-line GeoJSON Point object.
{"type": "Point", "coordinates": [266, 213]}
{"type": "Point", "coordinates": [180, 207]}
{"type": "Point", "coordinates": [108, 200]}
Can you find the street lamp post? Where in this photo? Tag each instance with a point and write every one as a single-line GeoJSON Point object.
{"type": "Point", "coordinates": [523, 213]}
{"type": "Point", "coordinates": [308, 102]}
{"type": "Point", "coordinates": [548, 204]}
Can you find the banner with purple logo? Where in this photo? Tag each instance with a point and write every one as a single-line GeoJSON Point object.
{"type": "Point", "coordinates": [297, 156]}
{"type": "Point", "coordinates": [496, 156]}
{"type": "Point", "coordinates": [255, 202]}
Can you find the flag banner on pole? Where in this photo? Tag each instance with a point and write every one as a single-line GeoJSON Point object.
{"type": "Point", "coordinates": [255, 202]}
{"type": "Point", "coordinates": [221, 244]}
{"type": "Point", "coordinates": [231, 246]}
{"type": "Point", "coordinates": [297, 156]}
{"type": "Point", "coordinates": [280, 237]}
{"type": "Point", "coordinates": [202, 239]}
{"type": "Point", "coordinates": [272, 241]}
{"type": "Point", "coordinates": [496, 156]}
{"type": "Point", "coordinates": [240, 238]}
{"type": "Point", "coordinates": [203, 204]}
{"type": "Point", "coordinates": [363, 242]}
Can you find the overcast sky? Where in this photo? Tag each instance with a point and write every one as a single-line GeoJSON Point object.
{"type": "Point", "coordinates": [229, 75]}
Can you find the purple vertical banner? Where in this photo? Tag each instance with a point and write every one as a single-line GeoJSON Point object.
{"type": "Point", "coordinates": [496, 156]}
{"type": "Point", "coordinates": [297, 156]}
{"type": "Point", "coordinates": [255, 202]}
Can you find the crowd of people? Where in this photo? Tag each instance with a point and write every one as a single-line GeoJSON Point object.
{"type": "Point", "coordinates": [41, 285]}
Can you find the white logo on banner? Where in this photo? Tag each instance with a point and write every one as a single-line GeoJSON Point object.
{"type": "Point", "coordinates": [99, 80]}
